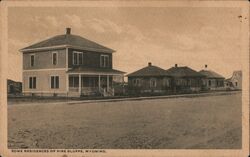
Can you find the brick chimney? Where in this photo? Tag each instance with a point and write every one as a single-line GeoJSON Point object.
{"type": "Point", "coordinates": [205, 66]}
{"type": "Point", "coordinates": [149, 64]}
{"type": "Point", "coordinates": [68, 30]}
{"type": "Point", "coordinates": [176, 65]}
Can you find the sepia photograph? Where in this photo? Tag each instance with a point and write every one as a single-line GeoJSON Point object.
{"type": "Point", "coordinates": [137, 75]}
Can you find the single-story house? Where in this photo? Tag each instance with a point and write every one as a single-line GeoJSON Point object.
{"type": "Point", "coordinates": [234, 82]}
{"type": "Point", "coordinates": [213, 80]}
{"type": "Point", "coordinates": [150, 79]}
{"type": "Point", "coordinates": [185, 79]}
{"type": "Point", "coordinates": [14, 87]}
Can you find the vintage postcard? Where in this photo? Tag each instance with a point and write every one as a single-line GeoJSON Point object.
{"type": "Point", "coordinates": [124, 78]}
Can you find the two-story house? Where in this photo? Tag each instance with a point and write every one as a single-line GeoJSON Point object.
{"type": "Point", "coordinates": [68, 65]}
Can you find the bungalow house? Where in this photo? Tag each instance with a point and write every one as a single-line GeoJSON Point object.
{"type": "Point", "coordinates": [213, 80]}
{"type": "Point", "coordinates": [14, 87]}
{"type": "Point", "coordinates": [235, 82]}
{"type": "Point", "coordinates": [185, 79]}
{"type": "Point", "coordinates": [70, 65]}
{"type": "Point", "coordinates": [150, 79]}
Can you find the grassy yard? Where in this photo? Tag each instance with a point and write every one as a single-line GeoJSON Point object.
{"type": "Point", "coordinates": [198, 122]}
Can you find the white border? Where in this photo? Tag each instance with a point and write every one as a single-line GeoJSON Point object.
{"type": "Point", "coordinates": [142, 152]}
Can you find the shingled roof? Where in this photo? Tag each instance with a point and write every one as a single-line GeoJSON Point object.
{"type": "Point", "coordinates": [183, 72]}
{"type": "Point", "coordinates": [69, 40]}
{"type": "Point", "coordinates": [211, 74]}
{"type": "Point", "coordinates": [149, 70]}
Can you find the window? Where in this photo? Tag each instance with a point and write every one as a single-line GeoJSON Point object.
{"type": "Point", "coordinates": [104, 61]}
{"type": "Point", "coordinates": [32, 82]}
{"type": "Point", "coordinates": [236, 84]}
{"type": "Point", "coordinates": [77, 58]}
{"type": "Point", "coordinates": [54, 82]}
{"type": "Point", "coordinates": [54, 58]}
{"type": "Point", "coordinates": [152, 82]}
{"type": "Point", "coordinates": [137, 82]}
{"type": "Point", "coordinates": [74, 81]}
{"type": "Point", "coordinates": [32, 60]}
{"type": "Point", "coordinates": [209, 82]}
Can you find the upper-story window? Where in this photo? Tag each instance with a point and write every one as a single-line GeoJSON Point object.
{"type": "Point", "coordinates": [54, 58]}
{"type": "Point", "coordinates": [77, 58]}
{"type": "Point", "coordinates": [104, 61]}
{"type": "Point", "coordinates": [32, 60]}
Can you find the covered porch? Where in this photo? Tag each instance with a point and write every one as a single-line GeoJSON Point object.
{"type": "Point", "coordinates": [82, 83]}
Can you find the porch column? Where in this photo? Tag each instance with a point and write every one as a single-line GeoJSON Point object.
{"type": "Point", "coordinates": [107, 81]}
{"type": "Point", "coordinates": [80, 86]}
{"type": "Point", "coordinates": [99, 82]}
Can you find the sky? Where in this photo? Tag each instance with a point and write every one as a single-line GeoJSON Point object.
{"type": "Point", "coordinates": [164, 36]}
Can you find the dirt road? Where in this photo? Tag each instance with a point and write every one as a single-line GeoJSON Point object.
{"type": "Point", "coordinates": [199, 122]}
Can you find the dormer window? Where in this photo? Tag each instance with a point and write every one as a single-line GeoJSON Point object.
{"type": "Point", "coordinates": [32, 60]}
{"type": "Point", "coordinates": [77, 58]}
{"type": "Point", "coordinates": [104, 61]}
{"type": "Point", "coordinates": [54, 58]}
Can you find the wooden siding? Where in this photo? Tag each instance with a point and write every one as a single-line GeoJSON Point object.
{"type": "Point", "coordinates": [145, 84]}
{"type": "Point", "coordinates": [43, 60]}
{"type": "Point", "coordinates": [90, 59]}
{"type": "Point", "coordinates": [187, 84]}
{"type": "Point", "coordinates": [213, 83]}
{"type": "Point", "coordinates": [43, 81]}
{"type": "Point", "coordinates": [176, 85]}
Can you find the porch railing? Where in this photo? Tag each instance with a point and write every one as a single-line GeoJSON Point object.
{"type": "Point", "coordinates": [93, 90]}
{"type": "Point", "coordinates": [107, 91]}
{"type": "Point", "coordinates": [89, 90]}
{"type": "Point", "coordinates": [73, 89]}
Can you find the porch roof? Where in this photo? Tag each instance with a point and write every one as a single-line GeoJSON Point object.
{"type": "Point", "coordinates": [95, 71]}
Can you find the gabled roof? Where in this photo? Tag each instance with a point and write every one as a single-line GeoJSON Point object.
{"type": "Point", "coordinates": [183, 72]}
{"type": "Point", "coordinates": [95, 70]}
{"type": "Point", "coordinates": [211, 74]}
{"type": "Point", "coordinates": [69, 40]}
{"type": "Point", "coordinates": [149, 70]}
{"type": "Point", "coordinates": [238, 72]}
{"type": "Point", "coordinates": [9, 81]}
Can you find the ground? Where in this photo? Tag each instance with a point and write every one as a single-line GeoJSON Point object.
{"type": "Point", "coordinates": [188, 122]}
